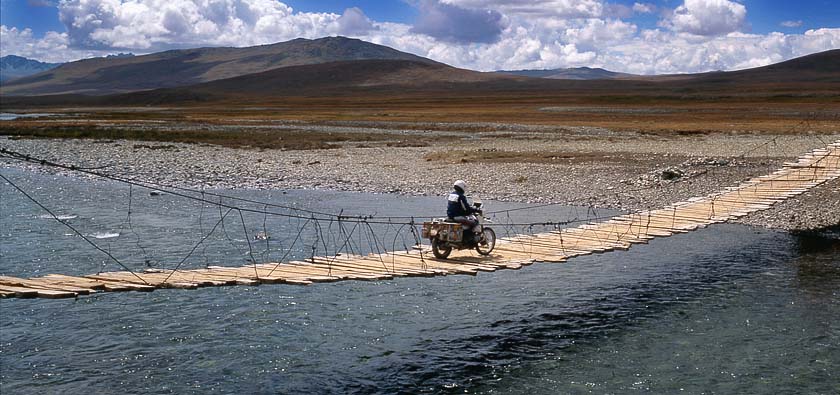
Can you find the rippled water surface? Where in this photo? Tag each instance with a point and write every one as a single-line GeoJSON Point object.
{"type": "Point", "coordinates": [728, 309]}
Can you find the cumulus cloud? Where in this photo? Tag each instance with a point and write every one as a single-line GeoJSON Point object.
{"type": "Point", "coordinates": [707, 17]}
{"type": "Point", "coordinates": [594, 34]}
{"type": "Point", "coordinates": [354, 22]}
{"type": "Point", "coordinates": [791, 23]}
{"type": "Point", "coordinates": [511, 37]}
{"type": "Point", "coordinates": [162, 24]}
{"type": "Point", "coordinates": [53, 47]}
{"type": "Point", "coordinates": [452, 23]}
{"type": "Point", "coordinates": [644, 8]}
{"type": "Point", "coordinates": [659, 52]}
{"type": "Point", "coordinates": [540, 8]}
{"type": "Point", "coordinates": [615, 10]}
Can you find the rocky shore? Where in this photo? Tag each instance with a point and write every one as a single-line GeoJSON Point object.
{"type": "Point", "coordinates": [579, 166]}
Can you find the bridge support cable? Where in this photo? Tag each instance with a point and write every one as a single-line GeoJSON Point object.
{"type": "Point", "coordinates": [71, 227]}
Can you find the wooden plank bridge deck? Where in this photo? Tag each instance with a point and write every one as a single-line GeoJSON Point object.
{"type": "Point", "coordinates": [617, 233]}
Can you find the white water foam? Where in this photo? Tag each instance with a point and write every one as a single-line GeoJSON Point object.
{"type": "Point", "coordinates": [61, 217]}
{"type": "Point", "coordinates": [104, 235]}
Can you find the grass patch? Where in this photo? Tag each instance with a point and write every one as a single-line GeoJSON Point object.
{"type": "Point", "coordinates": [259, 139]}
{"type": "Point", "coordinates": [501, 156]}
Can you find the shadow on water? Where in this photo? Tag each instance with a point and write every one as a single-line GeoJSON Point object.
{"type": "Point", "coordinates": [587, 313]}
{"type": "Point", "coordinates": [818, 263]}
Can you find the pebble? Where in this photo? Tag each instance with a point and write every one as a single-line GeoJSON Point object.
{"type": "Point", "coordinates": [628, 175]}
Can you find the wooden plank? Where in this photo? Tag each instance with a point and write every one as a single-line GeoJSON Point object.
{"type": "Point", "coordinates": [132, 286]}
{"type": "Point", "coordinates": [450, 264]}
{"type": "Point", "coordinates": [479, 260]}
{"type": "Point", "coordinates": [539, 254]}
{"type": "Point", "coordinates": [89, 283]}
{"type": "Point", "coordinates": [25, 292]}
{"type": "Point", "coordinates": [398, 264]}
{"type": "Point", "coordinates": [19, 292]}
{"type": "Point", "coordinates": [359, 266]}
{"type": "Point", "coordinates": [583, 239]}
{"type": "Point", "coordinates": [299, 272]}
{"type": "Point", "coordinates": [125, 278]}
{"type": "Point", "coordinates": [348, 273]}
{"type": "Point", "coordinates": [163, 280]}
{"type": "Point", "coordinates": [355, 272]}
{"type": "Point", "coordinates": [276, 276]}
{"type": "Point", "coordinates": [374, 264]}
{"type": "Point", "coordinates": [40, 283]}
{"type": "Point", "coordinates": [193, 277]}
{"type": "Point", "coordinates": [228, 279]}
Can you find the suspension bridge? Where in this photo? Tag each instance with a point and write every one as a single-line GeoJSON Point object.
{"type": "Point", "coordinates": [512, 252]}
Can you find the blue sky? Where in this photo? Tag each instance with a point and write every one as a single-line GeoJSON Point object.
{"type": "Point", "coordinates": [764, 16]}
{"type": "Point", "coordinates": [391, 11]}
{"type": "Point", "coordinates": [654, 36]}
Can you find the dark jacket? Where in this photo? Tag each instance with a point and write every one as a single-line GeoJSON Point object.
{"type": "Point", "coordinates": [458, 206]}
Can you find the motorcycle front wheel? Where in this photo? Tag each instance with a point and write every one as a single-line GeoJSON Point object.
{"type": "Point", "coordinates": [440, 249]}
{"type": "Point", "coordinates": [487, 243]}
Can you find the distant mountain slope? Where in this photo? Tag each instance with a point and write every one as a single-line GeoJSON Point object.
{"type": "Point", "coordinates": [401, 75]}
{"type": "Point", "coordinates": [12, 67]}
{"type": "Point", "coordinates": [817, 75]}
{"type": "Point", "coordinates": [814, 68]}
{"type": "Point", "coordinates": [193, 66]}
{"type": "Point", "coordinates": [809, 69]}
{"type": "Point", "coordinates": [576, 73]}
{"type": "Point", "coordinates": [343, 78]}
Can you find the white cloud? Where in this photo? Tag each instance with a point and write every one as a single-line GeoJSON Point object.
{"type": "Point", "coordinates": [597, 33]}
{"type": "Point", "coordinates": [540, 8]}
{"type": "Point", "coordinates": [707, 17]}
{"type": "Point", "coordinates": [354, 22]}
{"type": "Point", "coordinates": [449, 22]}
{"type": "Point", "coordinates": [655, 51]}
{"type": "Point", "coordinates": [521, 40]}
{"type": "Point", "coordinates": [614, 10]}
{"type": "Point", "coordinates": [162, 24]}
{"type": "Point", "coordinates": [791, 23]}
{"type": "Point", "coordinates": [644, 8]}
{"type": "Point", "coordinates": [52, 47]}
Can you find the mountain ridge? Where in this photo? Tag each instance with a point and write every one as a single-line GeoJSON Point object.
{"type": "Point", "coordinates": [402, 74]}
{"type": "Point", "coordinates": [13, 67]}
{"type": "Point", "coordinates": [572, 73]}
{"type": "Point", "coordinates": [183, 67]}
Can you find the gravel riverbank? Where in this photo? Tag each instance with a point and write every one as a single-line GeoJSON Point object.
{"type": "Point", "coordinates": [578, 166]}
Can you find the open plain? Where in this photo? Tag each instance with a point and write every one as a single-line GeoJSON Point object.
{"type": "Point", "coordinates": [551, 149]}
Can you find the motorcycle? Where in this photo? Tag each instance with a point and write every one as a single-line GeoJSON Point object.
{"type": "Point", "coordinates": [445, 235]}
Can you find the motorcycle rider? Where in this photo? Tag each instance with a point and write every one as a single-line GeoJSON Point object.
{"type": "Point", "coordinates": [458, 209]}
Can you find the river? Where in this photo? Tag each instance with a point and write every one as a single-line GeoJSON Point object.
{"type": "Point", "coordinates": [728, 309]}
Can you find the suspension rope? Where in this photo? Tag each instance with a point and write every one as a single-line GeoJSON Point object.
{"type": "Point", "coordinates": [67, 224]}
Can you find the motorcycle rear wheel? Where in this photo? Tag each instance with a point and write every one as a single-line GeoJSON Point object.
{"type": "Point", "coordinates": [487, 243]}
{"type": "Point", "coordinates": [441, 249]}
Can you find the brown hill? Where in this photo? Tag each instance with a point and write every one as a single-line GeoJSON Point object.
{"type": "Point", "coordinates": [348, 76]}
{"type": "Point", "coordinates": [101, 76]}
{"type": "Point", "coordinates": [821, 66]}
{"type": "Point", "coordinates": [816, 75]}
{"type": "Point", "coordinates": [574, 73]}
{"type": "Point", "coordinates": [333, 79]}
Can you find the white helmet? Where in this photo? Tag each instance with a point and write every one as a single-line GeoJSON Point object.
{"type": "Point", "coordinates": [461, 184]}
